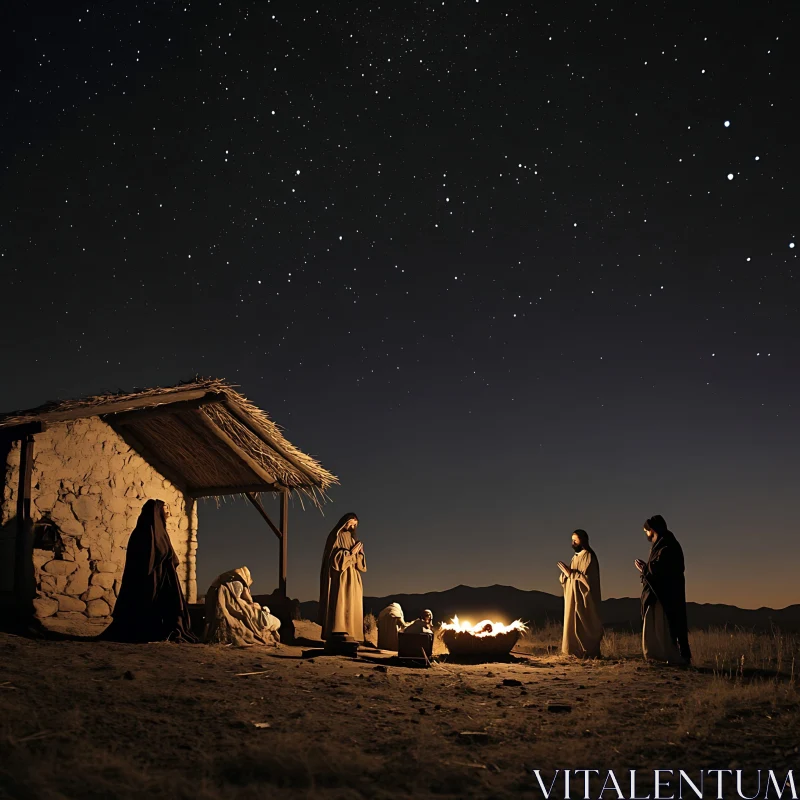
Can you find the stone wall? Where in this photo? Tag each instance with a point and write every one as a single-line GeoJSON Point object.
{"type": "Point", "coordinates": [91, 486]}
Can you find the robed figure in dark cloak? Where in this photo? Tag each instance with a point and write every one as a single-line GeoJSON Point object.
{"type": "Point", "coordinates": [341, 590]}
{"type": "Point", "coordinates": [151, 606]}
{"type": "Point", "coordinates": [665, 630]}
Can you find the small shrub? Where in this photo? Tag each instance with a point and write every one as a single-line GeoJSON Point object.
{"type": "Point", "coordinates": [370, 628]}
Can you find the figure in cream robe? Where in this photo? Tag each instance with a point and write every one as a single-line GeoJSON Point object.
{"type": "Point", "coordinates": [390, 623]}
{"type": "Point", "coordinates": [232, 616]}
{"type": "Point", "coordinates": [583, 628]}
{"type": "Point", "coordinates": [342, 590]}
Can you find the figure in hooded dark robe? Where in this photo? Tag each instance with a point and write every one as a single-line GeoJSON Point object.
{"type": "Point", "coordinates": [665, 630]}
{"type": "Point", "coordinates": [341, 590]}
{"type": "Point", "coordinates": [151, 606]}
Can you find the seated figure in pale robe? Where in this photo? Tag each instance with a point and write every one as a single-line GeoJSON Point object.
{"type": "Point", "coordinates": [665, 630]}
{"type": "Point", "coordinates": [232, 617]}
{"type": "Point", "coordinates": [390, 623]}
{"type": "Point", "coordinates": [583, 627]}
{"type": "Point", "coordinates": [341, 592]}
{"type": "Point", "coordinates": [423, 624]}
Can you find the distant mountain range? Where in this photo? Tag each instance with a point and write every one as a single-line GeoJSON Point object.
{"type": "Point", "coordinates": [506, 603]}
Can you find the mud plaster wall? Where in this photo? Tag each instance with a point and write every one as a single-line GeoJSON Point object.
{"type": "Point", "coordinates": [92, 486]}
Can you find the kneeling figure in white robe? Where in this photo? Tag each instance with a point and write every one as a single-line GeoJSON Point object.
{"type": "Point", "coordinates": [390, 623]}
{"type": "Point", "coordinates": [233, 617]}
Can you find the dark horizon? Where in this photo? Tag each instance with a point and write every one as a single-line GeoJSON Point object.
{"type": "Point", "coordinates": [551, 594]}
{"type": "Point", "coordinates": [506, 271]}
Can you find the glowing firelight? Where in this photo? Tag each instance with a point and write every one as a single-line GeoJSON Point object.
{"type": "Point", "coordinates": [484, 627]}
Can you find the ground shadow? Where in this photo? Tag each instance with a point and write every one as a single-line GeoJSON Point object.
{"type": "Point", "coordinates": [305, 641]}
{"type": "Point", "coordinates": [510, 658]}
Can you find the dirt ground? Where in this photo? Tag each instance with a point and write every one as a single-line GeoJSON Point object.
{"type": "Point", "coordinates": [105, 720]}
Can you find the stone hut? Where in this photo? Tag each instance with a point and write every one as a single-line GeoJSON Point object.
{"type": "Point", "coordinates": [74, 476]}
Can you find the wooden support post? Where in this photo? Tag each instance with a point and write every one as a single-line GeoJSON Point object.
{"type": "Point", "coordinates": [280, 608]}
{"type": "Point", "coordinates": [284, 524]}
{"type": "Point", "coordinates": [24, 578]}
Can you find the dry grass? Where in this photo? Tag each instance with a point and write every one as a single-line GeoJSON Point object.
{"type": "Point", "coordinates": [371, 628]}
{"type": "Point", "coordinates": [725, 651]}
{"type": "Point", "coordinates": [734, 650]}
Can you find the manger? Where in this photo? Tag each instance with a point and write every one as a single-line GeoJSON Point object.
{"type": "Point", "coordinates": [487, 639]}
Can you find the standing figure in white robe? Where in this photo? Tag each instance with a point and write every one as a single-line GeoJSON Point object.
{"type": "Point", "coordinates": [390, 623]}
{"type": "Point", "coordinates": [232, 616]}
{"type": "Point", "coordinates": [665, 629]}
{"type": "Point", "coordinates": [583, 627]}
{"type": "Point", "coordinates": [341, 596]}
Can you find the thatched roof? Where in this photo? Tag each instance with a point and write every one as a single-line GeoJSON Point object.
{"type": "Point", "coordinates": [203, 436]}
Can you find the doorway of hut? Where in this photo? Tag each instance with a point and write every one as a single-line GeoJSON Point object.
{"type": "Point", "coordinates": [231, 534]}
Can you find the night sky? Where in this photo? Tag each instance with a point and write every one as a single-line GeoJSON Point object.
{"type": "Point", "coordinates": [507, 269]}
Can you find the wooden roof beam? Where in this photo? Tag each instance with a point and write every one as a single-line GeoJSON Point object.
{"type": "Point", "coordinates": [114, 406]}
{"type": "Point", "coordinates": [251, 496]}
{"type": "Point", "coordinates": [137, 415]}
{"type": "Point", "coordinates": [14, 432]}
